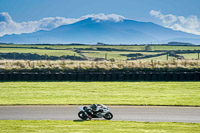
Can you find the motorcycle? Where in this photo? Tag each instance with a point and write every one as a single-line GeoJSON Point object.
{"type": "Point", "coordinates": [86, 113]}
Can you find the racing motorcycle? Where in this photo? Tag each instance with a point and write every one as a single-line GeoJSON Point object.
{"type": "Point", "coordinates": [86, 113]}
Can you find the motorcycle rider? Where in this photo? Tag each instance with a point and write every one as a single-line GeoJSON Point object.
{"type": "Point", "coordinates": [95, 111]}
{"type": "Point", "coordinates": [95, 108]}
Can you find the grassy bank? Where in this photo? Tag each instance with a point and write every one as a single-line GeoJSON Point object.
{"type": "Point", "coordinates": [61, 65]}
{"type": "Point", "coordinates": [113, 93]}
{"type": "Point", "coordinates": [48, 126]}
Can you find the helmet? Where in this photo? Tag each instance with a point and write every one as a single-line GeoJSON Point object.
{"type": "Point", "coordinates": [94, 106]}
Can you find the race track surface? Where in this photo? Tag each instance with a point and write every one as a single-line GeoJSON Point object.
{"type": "Point", "coordinates": [123, 113]}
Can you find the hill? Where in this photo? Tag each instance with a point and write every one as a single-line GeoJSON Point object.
{"type": "Point", "coordinates": [92, 30]}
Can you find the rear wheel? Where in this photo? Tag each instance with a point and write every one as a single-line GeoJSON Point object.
{"type": "Point", "coordinates": [108, 116]}
{"type": "Point", "coordinates": [82, 115]}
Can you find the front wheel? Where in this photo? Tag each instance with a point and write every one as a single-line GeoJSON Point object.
{"type": "Point", "coordinates": [82, 115]}
{"type": "Point", "coordinates": [108, 116]}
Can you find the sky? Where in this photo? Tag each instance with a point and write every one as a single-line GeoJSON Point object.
{"type": "Point", "coordinates": [175, 14]}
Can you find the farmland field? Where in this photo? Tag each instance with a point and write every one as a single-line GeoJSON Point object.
{"type": "Point", "coordinates": [176, 47]}
{"type": "Point", "coordinates": [107, 52]}
{"type": "Point", "coordinates": [38, 51]}
{"type": "Point", "coordinates": [190, 56]}
{"type": "Point", "coordinates": [127, 47]}
{"type": "Point", "coordinates": [49, 126]}
{"type": "Point", "coordinates": [118, 55]}
{"type": "Point", "coordinates": [136, 47]}
{"type": "Point", "coordinates": [112, 93]}
{"type": "Point", "coordinates": [161, 58]}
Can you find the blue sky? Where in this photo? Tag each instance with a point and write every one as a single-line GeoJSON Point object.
{"type": "Point", "coordinates": [26, 10]}
{"type": "Point", "coordinates": [26, 16]}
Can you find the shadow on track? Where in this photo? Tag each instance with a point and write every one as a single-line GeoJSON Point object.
{"type": "Point", "coordinates": [79, 120]}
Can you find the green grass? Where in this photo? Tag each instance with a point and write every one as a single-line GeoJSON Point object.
{"type": "Point", "coordinates": [50, 126]}
{"type": "Point", "coordinates": [118, 55]}
{"type": "Point", "coordinates": [76, 46]}
{"type": "Point", "coordinates": [175, 48]}
{"type": "Point", "coordinates": [161, 58]}
{"type": "Point", "coordinates": [56, 46]}
{"type": "Point", "coordinates": [110, 54]}
{"type": "Point", "coordinates": [38, 51]}
{"type": "Point", "coordinates": [190, 56]}
{"type": "Point", "coordinates": [112, 93]}
{"type": "Point", "coordinates": [128, 47]}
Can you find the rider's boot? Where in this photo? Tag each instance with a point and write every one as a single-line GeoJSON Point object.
{"type": "Point", "coordinates": [90, 117]}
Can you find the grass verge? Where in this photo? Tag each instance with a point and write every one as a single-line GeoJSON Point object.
{"type": "Point", "coordinates": [111, 93]}
{"type": "Point", "coordinates": [86, 66]}
{"type": "Point", "coordinates": [50, 126]}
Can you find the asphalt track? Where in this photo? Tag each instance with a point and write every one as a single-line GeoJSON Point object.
{"type": "Point", "coordinates": [123, 113]}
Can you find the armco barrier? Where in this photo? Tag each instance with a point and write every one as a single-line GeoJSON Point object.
{"type": "Point", "coordinates": [102, 76]}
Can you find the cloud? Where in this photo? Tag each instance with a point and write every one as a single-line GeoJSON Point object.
{"type": "Point", "coordinates": [103, 17]}
{"type": "Point", "coordinates": [189, 24]}
{"type": "Point", "coordinates": [8, 26]}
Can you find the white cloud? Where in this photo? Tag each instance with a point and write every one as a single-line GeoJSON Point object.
{"type": "Point", "coordinates": [103, 17]}
{"type": "Point", "coordinates": [8, 26]}
{"type": "Point", "coordinates": [189, 24]}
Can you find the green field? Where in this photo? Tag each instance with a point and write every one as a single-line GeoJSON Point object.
{"type": "Point", "coordinates": [110, 93]}
{"type": "Point", "coordinates": [38, 51]}
{"type": "Point", "coordinates": [94, 46]}
{"type": "Point", "coordinates": [136, 47]}
{"type": "Point", "coordinates": [161, 58]}
{"type": "Point", "coordinates": [169, 48]}
{"type": "Point", "coordinates": [110, 54]}
{"type": "Point", "coordinates": [190, 56]}
{"type": "Point", "coordinates": [91, 51]}
{"type": "Point", "coordinates": [49, 126]}
{"type": "Point", "coordinates": [118, 55]}
{"type": "Point", "coordinates": [99, 66]}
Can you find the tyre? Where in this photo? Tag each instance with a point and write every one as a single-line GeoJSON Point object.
{"type": "Point", "coordinates": [82, 115]}
{"type": "Point", "coordinates": [108, 116]}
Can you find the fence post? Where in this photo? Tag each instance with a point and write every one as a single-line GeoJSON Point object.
{"type": "Point", "coordinates": [45, 56]}
{"type": "Point", "coordinates": [167, 56]}
{"type": "Point", "coordinates": [106, 56]}
{"type": "Point", "coordinates": [74, 56]}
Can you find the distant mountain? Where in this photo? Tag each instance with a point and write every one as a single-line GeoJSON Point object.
{"type": "Point", "coordinates": [180, 44]}
{"type": "Point", "coordinates": [92, 30]}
